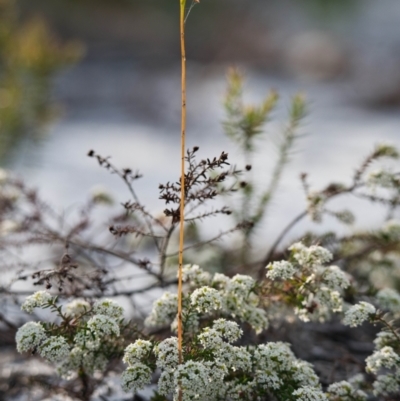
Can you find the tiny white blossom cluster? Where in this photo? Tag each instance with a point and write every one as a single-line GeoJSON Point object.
{"type": "Point", "coordinates": [345, 391]}
{"type": "Point", "coordinates": [94, 331]}
{"type": "Point", "coordinates": [220, 371]}
{"type": "Point", "coordinates": [282, 269]}
{"type": "Point", "coordinates": [311, 256]}
{"type": "Point", "coordinates": [319, 288]}
{"type": "Point", "coordinates": [37, 300]}
{"type": "Point", "coordinates": [385, 360]}
{"type": "Point", "coordinates": [389, 299]}
{"type": "Point", "coordinates": [229, 296]}
{"type": "Point", "coordinates": [164, 310]}
{"type": "Point", "coordinates": [77, 307]}
{"type": "Point", "coordinates": [358, 314]}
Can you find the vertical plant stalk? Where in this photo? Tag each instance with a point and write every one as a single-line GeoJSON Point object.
{"type": "Point", "coordinates": [182, 203]}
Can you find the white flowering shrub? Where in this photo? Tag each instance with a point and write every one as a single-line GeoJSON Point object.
{"type": "Point", "coordinates": [243, 313]}
{"type": "Point", "coordinates": [84, 341]}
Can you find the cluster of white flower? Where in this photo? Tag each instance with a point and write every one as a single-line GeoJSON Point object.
{"type": "Point", "coordinates": [77, 307]}
{"type": "Point", "coordinates": [345, 391]}
{"type": "Point", "coordinates": [311, 256]}
{"type": "Point", "coordinates": [102, 326]}
{"type": "Point", "coordinates": [389, 299]}
{"type": "Point", "coordinates": [282, 269]}
{"type": "Point", "coordinates": [87, 339]}
{"type": "Point", "coordinates": [385, 357]}
{"type": "Point", "coordinates": [193, 378]}
{"type": "Point", "coordinates": [167, 353]}
{"type": "Point", "coordinates": [30, 336]}
{"type": "Point", "coordinates": [37, 300]}
{"type": "Point", "coordinates": [109, 308]}
{"type": "Point", "coordinates": [206, 299]}
{"type": "Point", "coordinates": [335, 278]}
{"type": "Point", "coordinates": [232, 296]}
{"type": "Point", "coordinates": [196, 276]}
{"type": "Point", "coordinates": [54, 349]}
{"type": "Point", "coordinates": [387, 384]}
{"type": "Point", "coordinates": [164, 310]}
{"type": "Point", "coordinates": [385, 338]}
{"type": "Point", "coordinates": [230, 331]}
{"type": "Point", "coordinates": [320, 288]}
{"type": "Point", "coordinates": [135, 377]}
{"type": "Point", "coordinates": [358, 314]}
{"type": "Point", "coordinates": [241, 302]}
{"type": "Point", "coordinates": [308, 393]}
{"type": "Point", "coordinates": [136, 351]}
{"type": "Point", "coordinates": [87, 345]}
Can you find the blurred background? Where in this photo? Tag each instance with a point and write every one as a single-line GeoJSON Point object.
{"type": "Point", "coordinates": [105, 74]}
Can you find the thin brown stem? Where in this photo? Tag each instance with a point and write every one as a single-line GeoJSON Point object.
{"type": "Point", "coordinates": [182, 203]}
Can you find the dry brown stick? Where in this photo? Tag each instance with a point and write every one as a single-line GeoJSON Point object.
{"type": "Point", "coordinates": [182, 204]}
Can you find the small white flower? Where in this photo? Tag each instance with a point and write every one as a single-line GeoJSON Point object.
{"type": "Point", "coordinates": [136, 351]}
{"type": "Point", "coordinates": [386, 384]}
{"type": "Point", "coordinates": [241, 285]}
{"type": "Point", "coordinates": [102, 326]}
{"type": "Point", "coordinates": [135, 377]}
{"type": "Point", "coordinates": [220, 281]}
{"type": "Point", "coordinates": [336, 278]}
{"type": "Point", "coordinates": [256, 318]}
{"type": "Point", "coordinates": [77, 307]}
{"type": "Point", "coordinates": [37, 300]}
{"type": "Point", "coordinates": [164, 310]}
{"type": "Point", "coordinates": [210, 339]}
{"type": "Point", "coordinates": [274, 357]}
{"type": "Point", "coordinates": [342, 390]}
{"type": "Point", "coordinates": [307, 393]}
{"type": "Point", "coordinates": [304, 373]}
{"type": "Point", "coordinates": [310, 256]}
{"type": "Point", "coordinates": [87, 339]}
{"type": "Point", "coordinates": [206, 299]}
{"type": "Point", "coordinates": [283, 270]}
{"type": "Point", "coordinates": [29, 336]}
{"type": "Point", "coordinates": [234, 358]}
{"type": "Point", "coordinates": [331, 299]}
{"type": "Point", "coordinates": [358, 314]}
{"type": "Point", "coordinates": [195, 275]}
{"type": "Point", "coordinates": [384, 338]}
{"type": "Point", "coordinates": [54, 349]}
{"type": "Point", "coordinates": [385, 357]}
{"type": "Point", "coordinates": [108, 307]}
{"type": "Point", "coordinates": [71, 364]}
{"type": "Point", "coordinates": [193, 378]}
{"type": "Point", "coordinates": [167, 353]}
{"type": "Point", "coordinates": [228, 330]}
{"type": "Point", "coordinates": [94, 361]}
{"type": "Point", "coordinates": [389, 299]}
{"type": "Point", "coordinates": [166, 383]}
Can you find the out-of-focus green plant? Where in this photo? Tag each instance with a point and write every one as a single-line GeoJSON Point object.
{"type": "Point", "coordinates": [245, 125]}
{"type": "Point", "coordinates": [29, 58]}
